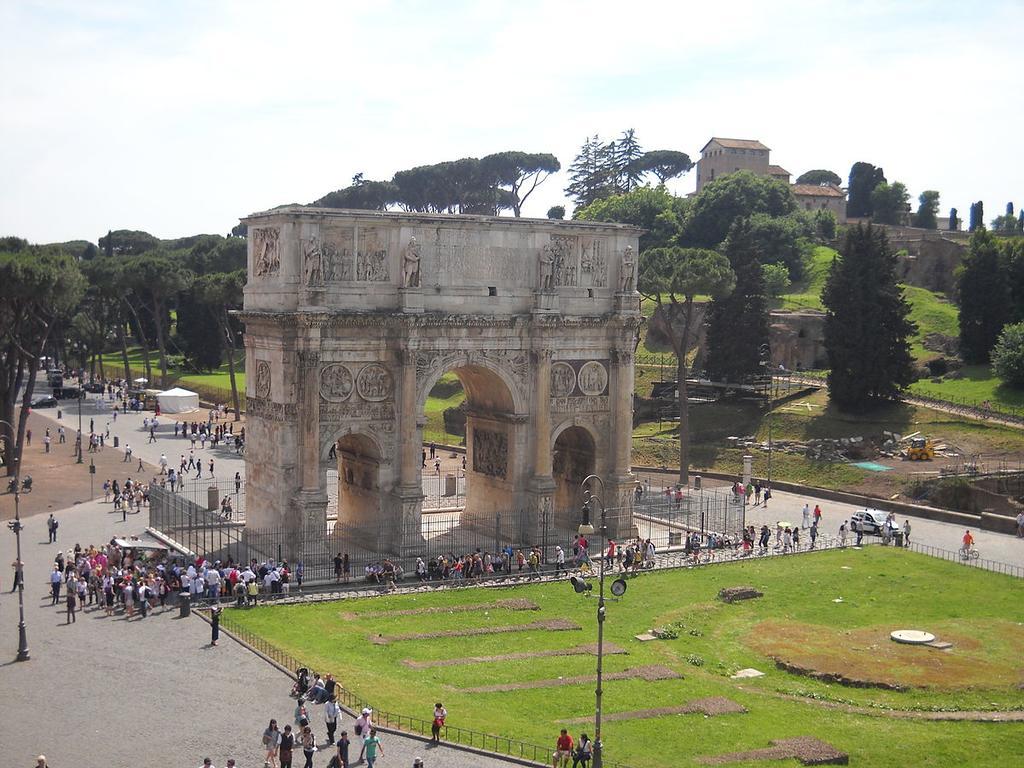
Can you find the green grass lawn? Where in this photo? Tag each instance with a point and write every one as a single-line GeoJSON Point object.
{"type": "Point", "coordinates": [976, 385]}
{"type": "Point", "coordinates": [807, 293]}
{"type": "Point", "coordinates": [881, 590]}
{"type": "Point", "coordinates": [434, 430]}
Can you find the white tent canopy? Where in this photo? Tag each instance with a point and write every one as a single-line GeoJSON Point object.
{"type": "Point", "coordinates": [177, 400]}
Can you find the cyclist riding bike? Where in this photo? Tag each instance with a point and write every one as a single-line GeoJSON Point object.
{"type": "Point", "coordinates": [968, 543]}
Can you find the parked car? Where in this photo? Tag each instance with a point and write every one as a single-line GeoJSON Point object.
{"type": "Point", "coordinates": [868, 521]}
{"type": "Point", "coordinates": [44, 402]}
{"type": "Point", "coordinates": [94, 387]}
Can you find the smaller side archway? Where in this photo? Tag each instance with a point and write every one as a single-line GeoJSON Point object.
{"type": "Point", "coordinates": [573, 457]}
{"type": "Point", "coordinates": [360, 491]}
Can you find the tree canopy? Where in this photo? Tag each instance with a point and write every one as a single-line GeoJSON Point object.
{"type": "Point", "coordinates": [889, 203]}
{"type": "Point", "coordinates": [927, 216]}
{"type": "Point", "coordinates": [983, 293]}
{"type": "Point", "coordinates": [724, 200]}
{"type": "Point", "coordinates": [664, 164]}
{"type": "Point", "coordinates": [867, 323]}
{"type": "Point", "coordinates": [1008, 355]}
{"type": "Point", "coordinates": [656, 210]}
{"type": "Point", "coordinates": [864, 177]}
{"type": "Point", "coordinates": [818, 177]}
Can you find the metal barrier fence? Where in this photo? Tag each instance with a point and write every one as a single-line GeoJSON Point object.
{"type": "Point", "coordinates": [957, 556]}
{"type": "Point", "coordinates": [467, 737]}
{"type": "Point", "coordinates": [210, 494]}
{"type": "Point", "coordinates": [194, 527]}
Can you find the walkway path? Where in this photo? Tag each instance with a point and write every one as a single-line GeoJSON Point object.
{"type": "Point", "coordinates": [111, 692]}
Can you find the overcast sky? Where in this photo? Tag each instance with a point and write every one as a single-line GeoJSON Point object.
{"type": "Point", "coordinates": [180, 117]}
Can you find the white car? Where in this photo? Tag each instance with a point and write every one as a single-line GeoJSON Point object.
{"type": "Point", "coordinates": [868, 521]}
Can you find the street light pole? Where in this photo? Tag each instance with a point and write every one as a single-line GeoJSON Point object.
{"type": "Point", "coordinates": [586, 527]}
{"type": "Point", "coordinates": [80, 441]}
{"type": "Point", "coordinates": [19, 571]}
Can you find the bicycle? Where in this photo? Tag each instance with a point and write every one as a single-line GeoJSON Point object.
{"type": "Point", "coordinates": [969, 554]}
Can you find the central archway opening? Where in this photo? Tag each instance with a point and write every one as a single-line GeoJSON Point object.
{"type": "Point", "coordinates": [471, 485]}
{"type": "Point", "coordinates": [572, 459]}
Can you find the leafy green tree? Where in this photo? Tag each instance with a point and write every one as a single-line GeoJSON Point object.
{"type": "Point", "coordinates": [783, 240]}
{"type": "Point", "coordinates": [1005, 224]}
{"type": "Point", "coordinates": [556, 212]}
{"type": "Point", "coordinates": [867, 323]}
{"type": "Point", "coordinates": [983, 295]}
{"type": "Point", "coordinates": [39, 287]}
{"type": "Point", "coordinates": [776, 279]}
{"type": "Point", "coordinates": [588, 174]}
{"type": "Point", "coordinates": [672, 277]}
{"type": "Point", "coordinates": [1009, 208]}
{"type": "Point", "coordinates": [127, 242]}
{"type": "Point", "coordinates": [520, 172]}
{"type": "Point", "coordinates": [889, 203]}
{"type": "Point", "coordinates": [658, 212]}
{"type": "Point", "coordinates": [724, 200]}
{"type": "Point", "coordinates": [927, 216]}
{"type": "Point", "coordinates": [977, 216]}
{"type": "Point", "coordinates": [158, 279]}
{"type": "Point", "coordinates": [737, 325]}
{"type": "Point", "coordinates": [818, 177]}
{"type": "Point", "coordinates": [1008, 355]}
{"type": "Point", "coordinates": [864, 177]}
{"type": "Point", "coordinates": [825, 226]}
{"type": "Point", "coordinates": [664, 164]}
{"type": "Point", "coordinates": [222, 293]}
{"type": "Point", "coordinates": [240, 230]}
{"type": "Point", "coordinates": [196, 330]}
{"type": "Point", "coordinates": [1020, 221]}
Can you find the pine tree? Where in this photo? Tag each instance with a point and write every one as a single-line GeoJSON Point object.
{"type": "Point", "coordinates": [977, 220]}
{"type": "Point", "coordinates": [867, 323]}
{"type": "Point", "coordinates": [954, 223]}
{"type": "Point", "coordinates": [588, 179]}
{"type": "Point", "coordinates": [738, 323]}
{"type": "Point", "coordinates": [628, 174]}
{"type": "Point", "coordinates": [983, 295]}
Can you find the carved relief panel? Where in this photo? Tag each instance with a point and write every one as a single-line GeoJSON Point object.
{"type": "Point", "coordinates": [336, 383]}
{"type": "Point", "coordinates": [593, 262]}
{"type": "Point", "coordinates": [262, 379]}
{"type": "Point", "coordinates": [374, 383]}
{"type": "Point", "coordinates": [328, 257]}
{"type": "Point", "coordinates": [266, 251]}
{"type": "Point", "coordinates": [372, 256]}
{"type": "Point", "coordinates": [564, 252]}
{"type": "Point", "coordinates": [490, 452]}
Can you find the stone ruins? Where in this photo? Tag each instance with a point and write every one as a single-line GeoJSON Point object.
{"type": "Point", "coordinates": [352, 316]}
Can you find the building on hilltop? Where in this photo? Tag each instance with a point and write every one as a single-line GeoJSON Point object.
{"type": "Point", "coordinates": [724, 156]}
{"type": "Point", "coordinates": [720, 157]}
{"type": "Point", "coordinates": [823, 197]}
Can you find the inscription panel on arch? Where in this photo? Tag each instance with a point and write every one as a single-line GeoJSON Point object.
{"type": "Point", "coordinates": [580, 404]}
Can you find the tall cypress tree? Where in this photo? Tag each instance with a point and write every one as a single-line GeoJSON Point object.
{"type": "Point", "coordinates": [738, 323]}
{"type": "Point", "coordinates": [867, 323]}
{"type": "Point", "coordinates": [983, 296]}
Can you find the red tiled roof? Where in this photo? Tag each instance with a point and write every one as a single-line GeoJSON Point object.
{"type": "Point", "coordinates": [813, 190]}
{"type": "Point", "coordinates": [736, 143]}
{"type": "Point", "coordinates": [778, 170]}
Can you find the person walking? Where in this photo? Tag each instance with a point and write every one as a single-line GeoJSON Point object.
{"type": "Point", "coordinates": [371, 744]}
{"type": "Point", "coordinates": [271, 744]}
{"type": "Point", "coordinates": [215, 624]}
{"type": "Point", "coordinates": [331, 713]}
{"type": "Point", "coordinates": [46, 443]}
{"type": "Point", "coordinates": [440, 715]}
{"type": "Point", "coordinates": [308, 741]}
{"type": "Point", "coordinates": [51, 526]}
{"type": "Point", "coordinates": [343, 747]}
{"type": "Point", "coordinates": [806, 523]}
{"type": "Point", "coordinates": [842, 534]}
{"type": "Point", "coordinates": [559, 560]}
{"type": "Point", "coordinates": [814, 534]}
{"type": "Point", "coordinates": [287, 745]}
{"type": "Point", "coordinates": [906, 532]}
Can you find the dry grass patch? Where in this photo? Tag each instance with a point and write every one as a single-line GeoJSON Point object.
{"type": "Point", "coordinates": [578, 650]}
{"type": "Point", "coordinates": [649, 674]}
{"type": "Point", "coordinates": [507, 605]}
{"type": "Point", "coordinates": [866, 657]}
{"type": "Point", "coordinates": [711, 706]}
{"type": "Point", "coordinates": [551, 625]}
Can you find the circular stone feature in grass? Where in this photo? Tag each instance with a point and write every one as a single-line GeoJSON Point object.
{"type": "Point", "coordinates": [912, 636]}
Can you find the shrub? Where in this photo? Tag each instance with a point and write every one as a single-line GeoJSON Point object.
{"type": "Point", "coordinates": [1008, 355]}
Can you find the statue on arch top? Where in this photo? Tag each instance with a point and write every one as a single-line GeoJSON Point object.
{"type": "Point", "coordinates": [546, 264]}
{"type": "Point", "coordinates": [411, 265]}
{"type": "Point", "coordinates": [627, 272]}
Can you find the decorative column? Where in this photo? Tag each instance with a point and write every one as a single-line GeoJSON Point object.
{"type": "Point", "coordinates": [621, 481]}
{"type": "Point", "coordinates": [542, 484]}
{"type": "Point", "coordinates": [407, 505]}
{"type": "Point", "coordinates": [310, 500]}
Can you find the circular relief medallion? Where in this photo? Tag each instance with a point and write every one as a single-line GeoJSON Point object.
{"type": "Point", "coordinates": [336, 383]}
{"type": "Point", "coordinates": [593, 378]}
{"type": "Point", "coordinates": [374, 383]}
{"type": "Point", "coordinates": [262, 379]}
{"type": "Point", "coordinates": [563, 379]}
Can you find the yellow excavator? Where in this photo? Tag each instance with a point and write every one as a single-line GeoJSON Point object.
{"type": "Point", "coordinates": [921, 449]}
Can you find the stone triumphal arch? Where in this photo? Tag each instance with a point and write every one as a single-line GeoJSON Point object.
{"type": "Point", "coordinates": [352, 317]}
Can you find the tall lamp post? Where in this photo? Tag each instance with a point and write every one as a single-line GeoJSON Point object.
{"type": "Point", "coordinates": [766, 363]}
{"type": "Point", "coordinates": [586, 529]}
{"type": "Point", "coordinates": [15, 525]}
{"type": "Point", "coordinates": [80, 440]}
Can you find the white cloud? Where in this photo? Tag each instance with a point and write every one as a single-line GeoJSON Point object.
{"type": "Point", "coordinates": [178, 118]}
